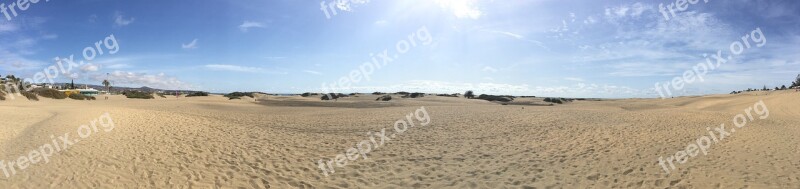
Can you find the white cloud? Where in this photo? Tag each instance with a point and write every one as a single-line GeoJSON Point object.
{"type": "Point", "coordinates": [93, 18]}
{"type": "Point", "coordinates": [236, 68]}
{"type": "Point", "coordinates": [50, 36]}
{"type": "Point", "coordinates": [118, 66]}
{"type": "Point", "coordinates": [6, 26]}
{"type": "Point", "coordinates": [520, 37]}
{"type": "Point", "coordinates": [347, 5]}
{"type": "Point", "coordinates": [638, 8]}
{"type": "Point", "coordinates": [119, 20]}
{"type": "Point", "coordinates": [249, 24]}
{"type": "Point", "coordinates": [461, 8]}
{"type": "Point", "coordinates": [381, 22]}
{"type": "Point", "coordinates": [589, 20]}
{"type": "Point", "coordinates": [634, 10]}
{"type": "Point", "coordinates": [489, 69]}
{"type": "Point", "coordinates": [510, 34]}
{"type": "Point", "coordinates": [312, 72]}
{"type": "Point", "coordinates": [89, 68]}
{"type": "Point", "coordinates": [14, 62]}
{"type": "Point", "coordinates": [160, 81]}
{"type": "Point", "coordinates": [226, 67]}
{"type": "Point", "coordinates": [573, 79]}
{"type": "Point", "coordinates": [191, 45]}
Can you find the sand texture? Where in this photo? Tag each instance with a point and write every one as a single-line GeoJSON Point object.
{"type": "Point", "coordinates": [213, 142]}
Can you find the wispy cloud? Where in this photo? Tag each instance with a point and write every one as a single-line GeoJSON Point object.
{"type": "Point", "coordinates": [250, 24]}
{"type": "Point", "coordinates": [161, 80]}
{"type": "Point", "coordinates": [191, 45]}
{"type": "Point", "coordinates": [120, 20]}
{"type": "Point", "coordinates": [6, 26]}
{"type": "Point", "coordinates": [118, 66]}
{"type": "Point", "coordinates": [573, 79]}
{"type": "Point", "coordinates": [489, 69]}
{"type": "Point", "coordinates": [313, 72]}
{"type": "Point", "coordinates": [461, 8]}
{"type": "Point", "coordinates": [237, 68]}
{"type": "Point", "coordinates": [381, 22]}
{"type": "Point", "coordinates": [633, 10]}
{"type": "Point", "coordinates": [520, 37]}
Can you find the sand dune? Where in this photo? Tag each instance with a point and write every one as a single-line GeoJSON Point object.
{"type": "Point", "coordinates": [213, 142]}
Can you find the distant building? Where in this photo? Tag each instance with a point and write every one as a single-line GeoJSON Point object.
{"type": "Point", "coordinates": [89, 92]}
{"type": "Point", "coordinates": [85, 92]}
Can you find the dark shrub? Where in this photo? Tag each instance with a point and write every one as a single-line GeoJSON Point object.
{"type": "Point", "coordinates": [234, 98]}
{"type": "Point", "coordinates": [137, 94]}
{"type": "Point", "coordinates": [384, 98]}
{"type": "Point", "coordinates": [197, 94]}
{"type": "Point", "coordinates": [49, 93]}
{"type": "Point", "coordinates": [402, 93]}
{"type": "Point", "coordinates": [2, 96]}
{"type": "Point", "coordinates": [469, 95]}
{"type": "Point", "coordinates": [329, 96]}
{"type": "Point", "coordinates": [496, 98]}
{"type": "Point", "coordinates": [161, 95]}
{"type": "Point", "coordinates": [239, 94]}
{"type": "Point", "coordinates": [77, 96]}
{"type": "Point", "coordinates": [30, 96]}
{"type": "Point", "coordinates": [90, 98]}
{"type": "Point", "coordinates": [378, 93]}
{"type": "Point", "coordinates": [305, 94]}
{"type": "Point", "coordinates": [413, 95]}
{"type": "Point", "coordinates": [554, 100]}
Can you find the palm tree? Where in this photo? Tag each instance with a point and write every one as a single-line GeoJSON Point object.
{"type": "Point", "coordinates": [107, 84]}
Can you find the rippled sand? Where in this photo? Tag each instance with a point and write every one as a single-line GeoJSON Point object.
{"type": "Point", "coordinates": [212, 142]}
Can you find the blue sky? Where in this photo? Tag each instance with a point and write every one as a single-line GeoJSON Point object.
{"type": "Point", "coordinates": [534, 47]}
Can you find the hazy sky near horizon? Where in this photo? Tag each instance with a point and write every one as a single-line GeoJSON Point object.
{"type": "Point", "coordinates": [530, 47]}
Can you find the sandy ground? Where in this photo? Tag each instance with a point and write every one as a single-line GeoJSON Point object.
{"type": "Point", "coordinates": [212, 142]}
